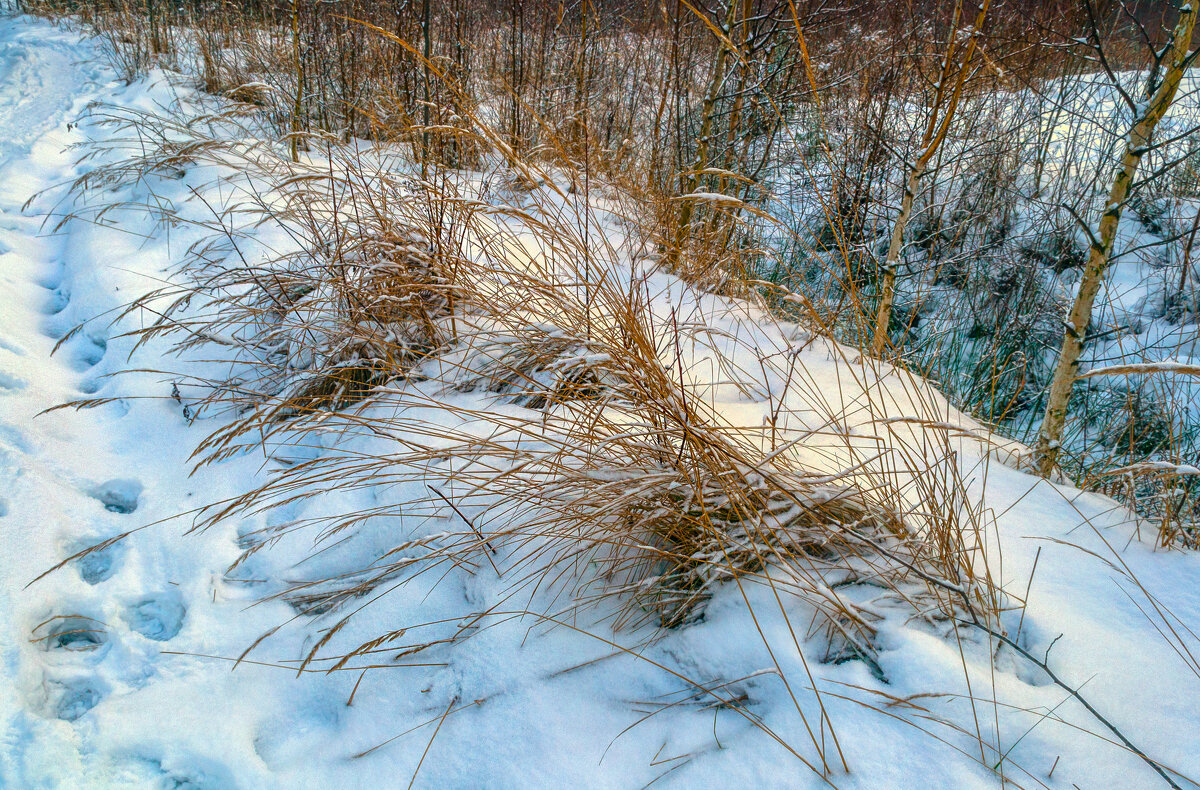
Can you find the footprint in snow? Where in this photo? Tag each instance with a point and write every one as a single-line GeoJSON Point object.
{"type": "Point", "coordinates": [158, 617]}
{"type": "Point", "coordinates": [14, 440]}
{"type": "Point", "coordinates": [69, 700]}
{"type": "Point", "coordinates": [98, 565]}
{"type": "Point", "coordinates": [118, 495]}
{"type": "Point", "coordinates": [73, 636]}
{"type": "Point", "coordinates": [184, 772]}
{"type": "Point", "coordinates": [1007, 660]}
{"type": "Point", "coordinates": [90, 352]}
{"type": "Point", "coordinates": [11, 383]}
{"type": "Point", "coordinates": [57, 301]}
{"type": "Point", "coordinates": [71, 644]}
{"type": "Point", "coordinates": [12, 348]}
{"type": "Point", "coordinates": [53, 280]}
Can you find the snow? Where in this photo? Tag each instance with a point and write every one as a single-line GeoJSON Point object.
{"type": "Point", "coordinates": [116, 669]}
{"type": "Point", "coordinates": [1165, 366]}
{"type": "Point", "coordinates": [711, 197]}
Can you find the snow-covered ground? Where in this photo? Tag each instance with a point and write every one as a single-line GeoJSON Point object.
{"type": "Point", "coordinates": [116, 669]}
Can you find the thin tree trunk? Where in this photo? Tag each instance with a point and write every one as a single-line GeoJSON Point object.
{"type": "Point", "coordinates": [1137, 143]}
{"type": "Point", "coordinates": [299, 68]}
{"type": "Point", "coordinates": [707, 113]}
{"type": "Point", "coordinates": [935, 133]}
{"type": "Point", "coordinates": [426, 52]}
{"type": "Point", "coordinates": [578, 121]}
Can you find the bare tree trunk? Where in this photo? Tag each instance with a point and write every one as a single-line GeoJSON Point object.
{"type": "Point", "coordinates": [707, 113]}
{"type": "Point", "coordinates": [1137, 143]}
{"type": "Point", "coordinates": [935, 133]}
{"type": "Point", "coordinates": [427, 53]}
{"type": "Point", "coordinates": [579, 125]}
{"type": "Point", "coordinates": [516, 70]}
{"type": "Point", "coordinates": [298, 105]}
{"type": "Point", "coordinates": [733, 125]}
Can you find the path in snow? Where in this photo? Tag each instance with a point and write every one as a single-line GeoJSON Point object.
{"type": "Point", "coordinates": [70, 479]}
{"type": "Point", "coordinates": [52, 470]}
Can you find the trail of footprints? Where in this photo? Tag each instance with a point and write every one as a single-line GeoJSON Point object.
{"type": "Point", "coordinates": [84, 349]}
{"type": "Point", "coordinates": [86, 644]}
{"type": "Point", "coordinates": [74, 643]}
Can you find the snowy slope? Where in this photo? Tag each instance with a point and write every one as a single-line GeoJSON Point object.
{"type": "Point", "coordinates": [986, 291]}
{"type": "Point", "coordinates": [116, 668]}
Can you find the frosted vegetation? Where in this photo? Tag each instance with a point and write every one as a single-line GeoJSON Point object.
{"type": "Point", "coordinates": [527, 394]}
{"type": "Point", "coordinates": [993, 255]}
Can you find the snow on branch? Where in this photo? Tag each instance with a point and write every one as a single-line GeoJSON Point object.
{"type": "Point", "coordinates": [1142, 367]}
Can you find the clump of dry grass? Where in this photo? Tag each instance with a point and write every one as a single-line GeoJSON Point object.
{"type": "Point", "coordinates": [616, 457]}
{"type": "Point", "coordinates": [356, 294]}
{"type": "Point", "coordinates": [615, 477]}
{"type": "Point", "coordinates": [519, 375]}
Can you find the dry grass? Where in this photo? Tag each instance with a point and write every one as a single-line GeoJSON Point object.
{"type": "Point", "coordinates": [524, 372]}
{"type": "Point", "coordinates": [489, 348]}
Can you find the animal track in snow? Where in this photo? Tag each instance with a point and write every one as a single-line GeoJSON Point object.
{"type": "Point", "coordinates": [10, 382]}
{"type": "Point", "coordinates": [118, 495]}
{"type": "Point", "coordinates": [99, 565]}
{"type": "Point", "coordinates": [1007, 660]}
{"type": "Point", "coordinates": [186, 772]}
{"type": "Point", "coordinates": [57, 301]}
{"type": "Point", "coordinates": [70, 700]}
{"type": "Point", "coordinates": [90, 352]}
{"type": "Point", "coordinates": [53, 280]}
{"type": "Point", "coordinates": [12, 348]}
{"type": "Point", "coordinates": [12, 439]}
{"type": "Point", "coordinates": [157, 617]}
{"type": "Point", "coordinates": [73, 634]}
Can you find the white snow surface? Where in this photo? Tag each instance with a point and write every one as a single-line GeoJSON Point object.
{"type": "Point", "coordinates": [115, 671]}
